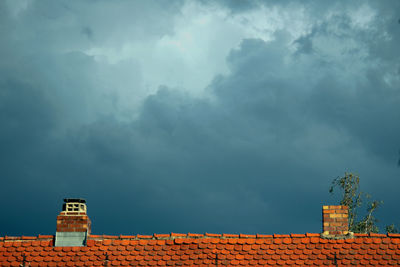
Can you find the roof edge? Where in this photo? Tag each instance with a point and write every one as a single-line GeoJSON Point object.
{"type": "Point", "coordinates": [172, 236]}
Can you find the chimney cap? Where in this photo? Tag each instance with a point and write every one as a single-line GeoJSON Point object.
{"type": "Point", "coordinates": [79, 200]}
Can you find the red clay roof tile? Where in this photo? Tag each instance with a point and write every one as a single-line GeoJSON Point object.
{"type": "Point", "coordinates": [198, 249]}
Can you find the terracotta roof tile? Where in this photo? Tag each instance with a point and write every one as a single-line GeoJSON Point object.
{"type": "Point", "coordinates": [198, 249]}
{"type": "Point", "coordinates": [264, 236]}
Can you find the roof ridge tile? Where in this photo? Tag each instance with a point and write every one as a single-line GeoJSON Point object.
{"type": "Point", "coordinates": [161, 236]}
{"type": "Point", "coordinates": [297, 235]}
{"type": "Point", "coordinates": [360, 235]}
{"type": "Point", "coordinates": [280, 235]}
{"type": "Point", "coordinates": [212, 235]}
{"type": "Point", "coordinates": [144, 236]}
{"type": "Point", "coordinates": [195, 235]}
{"type": "Point", "coordinates": [28, 237]}
{"type": "Point", "coordinates": [174, 235]}
{"type": "Point", "coordinates": [45, 236]}
{"type": "Point", "coordinates": [11, 237]}
{"type": "Point", "coordinates": [247, 236]}
{"type": "Point", "coordinates": [377, 235]}
{"type": "Point", "coordinates": [313, 235]}
{"type": "Point", "coordinates": [110, 236]}
{"type": "Point", "coordinates": [230, 235]}
{"type": "Point", "coordinates": [393, 235]}
{"type": "Point", "coordinates": [94, 236]}
{"type": "Point", "coordinates": [127, 236]}
{"type": "Point", "coordinates": [264, 236]}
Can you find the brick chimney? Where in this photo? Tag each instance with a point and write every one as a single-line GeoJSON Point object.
{"type": "Point", "coordinates": [335, 221]}
{"type": "Point", "coordinates": [73, 224]}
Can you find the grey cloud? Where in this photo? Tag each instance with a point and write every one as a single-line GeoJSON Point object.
{"type": "Point", "coordinates": [234, 6]}
{"type": "Point", "coordinates": [88, 32]}
{"type": "Point", "coordinates": [305, 45]}
{"type": "Point", "coordinates": [256, 157]}
{"type": "Point", "coordinates": [366, 102]}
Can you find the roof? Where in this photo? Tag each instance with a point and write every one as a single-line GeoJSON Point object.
{"type": "Point", "coordinates": [204, 250]}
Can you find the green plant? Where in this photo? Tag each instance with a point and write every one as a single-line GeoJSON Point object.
{"type": "Point", "coordinates": [353, 198]}
{"type": "Point", "coordinates": [391, 228]}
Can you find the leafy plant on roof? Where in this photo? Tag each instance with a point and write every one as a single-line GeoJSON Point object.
{"type": "Point", "coordinates": [353, 198]}
{"type": "Point", "coordinates": [391, 228]}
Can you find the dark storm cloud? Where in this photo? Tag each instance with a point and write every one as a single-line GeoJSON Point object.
{"type": "Point", "coordinates": [88, 32]}
{"type": "Point", "coordinates": [258, 156]}
{"type": "Point", "coordinates": [49, 89]}
{"type": "Point", "coordinates": [365, 104]}
{"type": "Point", "coordinates": [234, 6]}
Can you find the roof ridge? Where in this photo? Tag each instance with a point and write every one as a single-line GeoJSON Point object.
{"type": "Point", "coordinates": [197, 235]}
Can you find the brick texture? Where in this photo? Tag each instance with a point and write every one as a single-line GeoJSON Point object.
{"type": "Point", "coordinates": [335, 220]}
{"type": "Point", "coordinates": [73, 223]}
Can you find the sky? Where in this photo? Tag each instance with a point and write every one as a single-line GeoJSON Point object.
{"type": "Point", "coordinates": [196, 116]}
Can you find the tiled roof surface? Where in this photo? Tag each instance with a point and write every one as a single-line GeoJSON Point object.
{"type": "Point", "coordinates": [205, 250]}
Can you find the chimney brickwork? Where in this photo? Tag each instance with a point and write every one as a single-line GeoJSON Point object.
{"type": "Point", "coordinates": [73, 224]}
{"type": "Point", "coordinates": [78, 222]}
{"type": "Point", "coordinates": [335, 221]}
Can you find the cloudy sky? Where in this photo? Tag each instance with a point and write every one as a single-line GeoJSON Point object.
{"type": "Point", "coordinates": [196, 116]}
